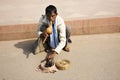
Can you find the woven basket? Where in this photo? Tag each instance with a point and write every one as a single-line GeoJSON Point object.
{"type": "Point", "coordinates": [62, 64]}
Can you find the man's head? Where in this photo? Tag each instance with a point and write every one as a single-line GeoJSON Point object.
{"type": "Point", "coordinates": [51, 12]}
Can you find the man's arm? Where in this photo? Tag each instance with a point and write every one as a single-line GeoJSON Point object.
{"type": "Point", "coordinates": [40, 27]}
{"type": "Point", "coordinates": [62, 36]}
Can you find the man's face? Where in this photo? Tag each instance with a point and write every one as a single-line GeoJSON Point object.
{"type": "Point", "coordinates": [52, 17]}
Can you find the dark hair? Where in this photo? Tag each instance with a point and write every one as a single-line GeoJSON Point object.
{"type": "Point", "coordinates": [50, 9]}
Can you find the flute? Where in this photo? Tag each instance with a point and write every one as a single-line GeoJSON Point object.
{"type": "Point", "coordinates": [49, 31]}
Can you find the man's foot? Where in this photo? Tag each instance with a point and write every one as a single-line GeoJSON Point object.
{"type": "Point", "coordinates": [37, 69]}
{"type": "Point", "coordinates": [67, 49]}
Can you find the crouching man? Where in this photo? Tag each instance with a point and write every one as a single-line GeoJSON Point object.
{"type": "Point", "coordinates": [58, 39]}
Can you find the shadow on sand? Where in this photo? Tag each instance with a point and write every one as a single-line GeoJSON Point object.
{"type": "Point", "coordinates": [27, 47]}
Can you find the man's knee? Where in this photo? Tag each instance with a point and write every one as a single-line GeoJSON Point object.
{"type": "Point", "coordinates": [68, 31]}
{"type": "Point", "coordinates": [68, 34]}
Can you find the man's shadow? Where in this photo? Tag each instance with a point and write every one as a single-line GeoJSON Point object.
{"type": "Point", "coordinates": [27, 47]}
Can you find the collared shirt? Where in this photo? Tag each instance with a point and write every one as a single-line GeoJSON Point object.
{"type": "Point", "coordinates": [60, 28]}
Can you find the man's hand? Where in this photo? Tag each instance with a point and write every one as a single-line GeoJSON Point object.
{"type": "Point", "coordinates": [45, 34]}
{"type": "Point", "coordinates": [52, 55]}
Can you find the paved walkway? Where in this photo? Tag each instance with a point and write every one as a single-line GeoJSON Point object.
{"type": "Point", "coordinates": [93, 57]}
{"type": "Point", "coordinates": [29, 11]}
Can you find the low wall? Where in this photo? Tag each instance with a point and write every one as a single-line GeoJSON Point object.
{"type": "Point", "coordinates": [86, 26]}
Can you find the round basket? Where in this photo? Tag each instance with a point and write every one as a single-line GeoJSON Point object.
{"type": "Point", "coordinates": [62, 64]}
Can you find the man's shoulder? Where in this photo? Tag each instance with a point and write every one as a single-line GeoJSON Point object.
{"type": "Point", "coordinates": [43, 19]}
{"type": "Point", "coordinates": [59, 18]}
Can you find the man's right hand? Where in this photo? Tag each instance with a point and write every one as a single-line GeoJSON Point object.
{"type": "Point", "coordinates": [45, 34]}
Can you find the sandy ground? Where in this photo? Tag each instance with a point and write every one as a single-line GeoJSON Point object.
{"type": "Point", "coordinates": [29, 11]}
{"type": "Point", "coordinates": [92, 57]}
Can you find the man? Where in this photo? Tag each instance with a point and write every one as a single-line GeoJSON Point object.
{"type": "Point", "coordinates": [60, 36]}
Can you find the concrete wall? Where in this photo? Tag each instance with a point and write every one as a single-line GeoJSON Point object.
{"type": "Point", "coordinates": [87, 26]}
